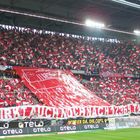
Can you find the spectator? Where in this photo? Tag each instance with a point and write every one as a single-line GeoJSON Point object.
{"type": "Point", "coordinates": [27, 48]}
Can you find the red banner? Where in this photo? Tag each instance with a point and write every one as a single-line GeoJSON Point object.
{"type": "Point", "coordinates": [58, 88]}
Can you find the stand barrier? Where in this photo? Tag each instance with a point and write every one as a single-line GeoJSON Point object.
{"type": "Point", "coordinates": [41, 126]}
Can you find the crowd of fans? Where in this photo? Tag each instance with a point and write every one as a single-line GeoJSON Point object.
{"type": "Point", "coordinates": [117, 91]}
{"type": "Point", "coordinates": [14, 93]}
{"type": "Point", "coordinates": [55, 51]}
{"type": "Point", "coordinates": [32, 49]}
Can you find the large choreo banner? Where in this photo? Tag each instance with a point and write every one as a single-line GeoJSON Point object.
{"type": "Point", "coordinates": [58, 88]}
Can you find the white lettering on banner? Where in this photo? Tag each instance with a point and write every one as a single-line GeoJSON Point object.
{"type": "Point", "coordinates": [88, 111]}
{"type": "Point", "coordinates": [93, 111]}
{"type": "Point", "coordinates": [91, 126]}
{"type": "Point", "coordinates": [75, 111]}
{"type": "Point", "coordinates": [40, 111]}
{"type": "Point", "coordinates": [16, 113]}
{"type": "Point", "coordinates": [116, 110]}
{"type": "Point", "coordinates": [107, 110]}
{"type": "Point", "coordinates": [48, 129]}
{"type": "Point", "coordinates": [33, 112]}
{"type": "Point", "coordinates": [100, 111]}
{"type": "Point", "coordinates": [82, 112]}
{"type": "Point", "coordinates": [125, 109]}
{"type": "Point", "coordinates": [23, 109]}
{"type": "Point", "coordinates": [66, 112]}
{"type": "Point", "coordinates": [12, 131]}
{"type": "Point", "coordinates": [69, 128]}
{"type": "Point", "coordinates": [136, 107]}
{"type": "Point", "coordinates": [111, 110]}
{"type": "Point", "coordinates": [30, 124]}
{"type": "Point", "coordinates": [70, 112]}
{"type": "Point", "coordinates": [55, 113]}
{"type": "Point", "coordinates": [119, 110]}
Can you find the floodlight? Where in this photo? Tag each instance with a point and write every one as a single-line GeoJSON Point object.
{"type": "Point", "coordinates": [91, 23]}
{"type": "Point", "coordinates": [137, 32]}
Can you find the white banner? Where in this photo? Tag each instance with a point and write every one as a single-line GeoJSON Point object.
{"type": "Point", "coordinates": [23, 112]}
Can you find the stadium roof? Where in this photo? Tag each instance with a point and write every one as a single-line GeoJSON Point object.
{"type": "Point", "coordinates": [115, 15]}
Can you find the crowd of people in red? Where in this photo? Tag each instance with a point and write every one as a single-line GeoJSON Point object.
{"type": "Point", "coordinates": [14, 93]}
{"type": "Point", "coordinates": [34, 49]}
{"type": "Point", "coordinates": [117, 91]}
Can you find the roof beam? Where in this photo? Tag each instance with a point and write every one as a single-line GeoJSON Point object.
{"type": "Point", "coordinates": [131, 4]}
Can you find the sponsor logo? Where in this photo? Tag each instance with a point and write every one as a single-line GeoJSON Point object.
{"type": "Point", "coordinates": [12, 131]}
{"type": "Point", "coordinates": [67, 128]}
{"type": "Point", "coordinates": [30, 124]}
{"type": "Point", "coordinates": [4, 126]}
{"type": "Point", "coordinates": [90, 126]}
{"type": "Point", "coordinates": [44, 129]}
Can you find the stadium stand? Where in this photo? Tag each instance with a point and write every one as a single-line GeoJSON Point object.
{"type": "Point", "coordinates": [117, 91]}
{"type": "Point", "coordinates": [29, 48]}
{"type": "Point", "coordinates": [14, 93]}
{"type": "Point", "coordinates": [69, 66]}
{"type": "Point", "coordinates": [26, 48]}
